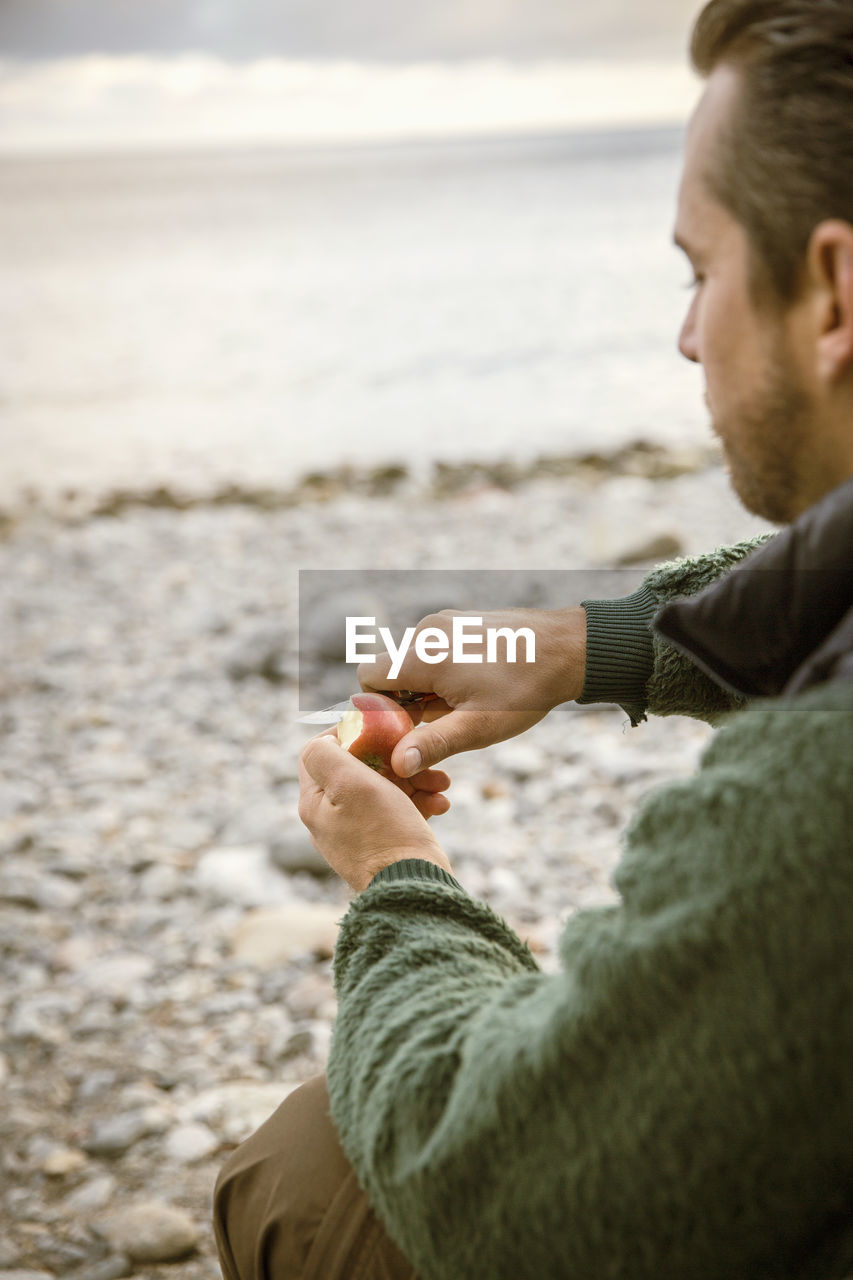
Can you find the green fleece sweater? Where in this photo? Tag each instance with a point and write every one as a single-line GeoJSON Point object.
{"type": "Point", "coordinates": [676, 1103]}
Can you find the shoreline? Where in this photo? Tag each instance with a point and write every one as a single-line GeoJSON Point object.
{"type": "Point", "coordinates": [641, 458]}
{"type": "Point", "coordinates": [582, 138]}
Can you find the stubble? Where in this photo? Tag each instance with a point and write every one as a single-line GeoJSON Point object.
{"type": "Point", "coordinates": [767, 442]}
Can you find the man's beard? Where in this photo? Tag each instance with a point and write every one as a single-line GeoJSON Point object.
{"type": "Point", "coordinates": [767, 442]}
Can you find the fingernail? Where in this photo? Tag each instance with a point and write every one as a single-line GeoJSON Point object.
{"type": "Point", "coordinates": [412, 761]}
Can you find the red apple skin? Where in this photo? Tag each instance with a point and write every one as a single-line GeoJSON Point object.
{"type": "Point", "coordinates": [384, 723]}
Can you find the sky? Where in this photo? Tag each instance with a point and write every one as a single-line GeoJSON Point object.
{"type": "Point", "coordinates": [129, 73]}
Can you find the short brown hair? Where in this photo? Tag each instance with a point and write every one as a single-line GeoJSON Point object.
{"type": "Point", "coordinates": [786, 161]}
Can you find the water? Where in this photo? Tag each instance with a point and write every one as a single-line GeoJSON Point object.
{"type": "Point", "coordinates": [249, 315]}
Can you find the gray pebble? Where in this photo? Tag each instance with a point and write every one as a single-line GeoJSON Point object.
{"type": "Point", "coordinates": [38, 891]}
{"type": "Point", "coordinates": [162, 882]}
{"type": "Point", "coordinates": [91, 1196]}
{"type": "Point", "coordinates": [26, 1275]}
{"type": "Point", "coordinates": [44, 1017]}
{"type": "Point", "coordinates": [190, 1142]}
{"type": "Point", "coordinates": [111, 1138]}
{"type": "Point", "coordinates": [259, 823]}
{"type": "Point", "coordinates": [116, 974]}
{"type": "Point", "coordinates": [96, 1019]}
{"type": "Point", "coordinates": [61, 1256]}
{"type": "Point", "coordinates": [150, 1232]}
{"type": "Point", "coordinates": [263, 652]}
{"type": "Point", "coordinates": [293, 851]}
{"type": "Point", "coordinates": [242, 874]}
{"type": "Point", "coordinates": [19, 797]}
{"type": "Point", "coordinates": [13, 839]}
{"type": "Point", "coordinates": [521, 759]}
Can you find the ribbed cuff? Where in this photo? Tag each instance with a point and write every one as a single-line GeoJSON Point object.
{"type": "Point", "coordinates": [409, 869]}
{"type": "Point", "coordinates": [620, 655]}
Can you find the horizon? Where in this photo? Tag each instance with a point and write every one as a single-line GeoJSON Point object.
{"type": "Point", "coordinates": [404, 148]}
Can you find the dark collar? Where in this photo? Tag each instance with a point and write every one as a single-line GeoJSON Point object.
{"type": "Point", "coordinates": [768, 626]}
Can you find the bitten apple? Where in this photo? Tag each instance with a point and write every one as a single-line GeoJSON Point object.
{"type": "Point", "coordinates": [371, 727]}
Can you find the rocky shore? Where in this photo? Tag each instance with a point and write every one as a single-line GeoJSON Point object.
{"type": "Point", "coordinates": [167, 928]}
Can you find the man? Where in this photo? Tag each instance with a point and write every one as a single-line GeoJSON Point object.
{"type": "Point", "coordinates": [678, 1100]}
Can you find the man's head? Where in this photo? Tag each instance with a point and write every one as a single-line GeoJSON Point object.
{"type": "Point", "coordinates": [766, 217]}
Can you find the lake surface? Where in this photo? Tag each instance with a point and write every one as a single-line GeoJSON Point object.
{"type": "Point", "coordinates": [250, 315]}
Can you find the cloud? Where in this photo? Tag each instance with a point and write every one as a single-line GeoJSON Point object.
{"type": "Point", "coordinates": [200, 99]}
{"type": "Point", "coordinates": [383, 30]}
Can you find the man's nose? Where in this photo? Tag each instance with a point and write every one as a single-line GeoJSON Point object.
{"type": "Point", "coordinates": [687, 338]}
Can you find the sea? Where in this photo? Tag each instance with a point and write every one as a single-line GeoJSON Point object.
{"type": "Point", "coordinates": [251, 315]}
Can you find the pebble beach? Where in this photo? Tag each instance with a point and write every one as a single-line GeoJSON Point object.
{"type": "Point", "coordinates": [167, 928]}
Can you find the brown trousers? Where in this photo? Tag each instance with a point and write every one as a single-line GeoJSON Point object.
{"type": "Point", "coordinates": [288, 1206]}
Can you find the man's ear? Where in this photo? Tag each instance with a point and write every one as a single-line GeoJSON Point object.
{"type": "Point", "coordinates": [830, 263]}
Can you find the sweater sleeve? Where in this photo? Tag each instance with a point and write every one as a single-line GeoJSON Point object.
{"type": "Point", "coordinates": [677, 1100]}
{"type": "Point", "coordinates": [627, 663]}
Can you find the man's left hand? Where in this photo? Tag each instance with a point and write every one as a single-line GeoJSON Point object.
{"type": "Point", "coordinates": [360, 821]}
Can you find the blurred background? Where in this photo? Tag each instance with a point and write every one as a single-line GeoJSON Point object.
{"type": "Point", "coordinates": [242, 241]}
{"type": "Point", "coordinates": [245, 245]}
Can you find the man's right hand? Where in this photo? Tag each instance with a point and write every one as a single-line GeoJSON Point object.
{"type": "Point", "coordinates": [477, 704]}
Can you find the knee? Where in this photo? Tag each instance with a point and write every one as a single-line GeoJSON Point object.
{"type": "Point", "coordinates": [256, 1215]}
{"type": "Point", "coordinates": [273, 1190]}
{"type": "Point", "coordinates": [229, 1215]}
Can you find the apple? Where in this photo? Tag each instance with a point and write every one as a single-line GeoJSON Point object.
{"type": "Point", "coordinates": [371, 727]}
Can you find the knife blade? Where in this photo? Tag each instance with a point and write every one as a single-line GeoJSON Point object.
{"type": "Point", "coordinates": [331, 715]}
{"type": "Point", "coordinates": [328, 715]}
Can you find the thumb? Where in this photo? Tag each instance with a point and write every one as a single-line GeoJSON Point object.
{"type": "Point", "coordinates": [326, 762]}
{"type": "Point", "coordinates": [431, 742]}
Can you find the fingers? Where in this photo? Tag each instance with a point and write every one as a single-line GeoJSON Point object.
{"type": "Point", "coordinates": [430, 806]}
{"type": "Point", "coordinates": [435, 740]}
{"type": "Point", "coordinates": [329, 773]}
{"type": "Point", "coordinates": [310, 795]}
{"type": "Point", "coordinates": [415, 711]}
{"type": "Point", "coordinates": [373, 676]}
{"type": "Point", "coordinates": [307, 779]}
{"type": "Point", "coordinates": [426, 791]}
{"type": "Point", "coordinates": [433, 710]}
{"type": "Point", "coordinates": [430, 780]}
{"type": "Point", "coordinates": [324, 768]}
{"type": "Point", "coordinates": [326, 764]}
